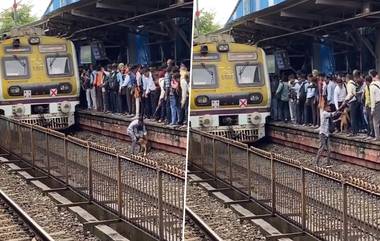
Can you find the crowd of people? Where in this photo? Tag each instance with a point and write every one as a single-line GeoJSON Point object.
{"type": "Point", "coordinates": [302, 99]}
{"type": "Point", "coordinates": [159, 94]}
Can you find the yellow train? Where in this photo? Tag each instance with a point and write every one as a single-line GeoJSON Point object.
{"type": "Point", "coordinates": [230, 93]}
{"type": "Point", "coordinates": [39, 79]}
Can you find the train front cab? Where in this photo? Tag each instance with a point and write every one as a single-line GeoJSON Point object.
{"type": "Point", "coordinates": [39, 80]}
{"type": "Point", "coordinates": [230, 91]}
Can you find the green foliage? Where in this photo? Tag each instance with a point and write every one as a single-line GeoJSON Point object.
{"type": "Point", "coordinates": [23, 17]}
{"type": "Point", "coordinates": [207, 23]}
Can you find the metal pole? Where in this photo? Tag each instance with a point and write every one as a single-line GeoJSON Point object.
{"type": "Point", "coordinates": [47, 152]}
{"type": "Point", "coordinates": [32, 144]}
{"type": "Point", "coordinates": [89, 164]}
{"type": "Point", "coordinates": [230, 162]}
{"type": "Point", "coordinates": [66, 160]}
{"type": "Point", "coordinates": [20, 139]}
{"type": "Point", "coordinates": [214, 156]}
{"type": "Point", "coordinates": [202, 151]}
{"type": "Point", "coordinates": [303, 199]}
{"type": "Point", "coordinates": [345, 207]}
{"type": "Point", "coordinates": [119, 187]}
{"type": "Point", "coordinates": [273, 184]}
{"type": "Point", "coordinates": [249, 173]}
{"type": "Point", "coordinates": [160, 206]}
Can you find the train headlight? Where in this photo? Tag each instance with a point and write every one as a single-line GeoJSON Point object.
{"type": "Point", "coordinates": [65, 107]}
{"type": "Point", "coordinates": [65, 88]}
{"type": "Point", "coordinates": [34, 40]}
{"type": "Point", "coordinates": [204, 50]}
{"type": "Point", "coordinates": [223, 47]}
{"type": "Point", "coordinates": [205, 121]}
{"type": "Point", "coordinates": [255, 118]}
{"type": "Point", "coordinates": [15, 91]}
{"type": "Point", "coordinates": [18, 110]}
{"type": "Point", "coordinates": [255, 98]}
{"type": "Point", "coordinates": [202, 100]}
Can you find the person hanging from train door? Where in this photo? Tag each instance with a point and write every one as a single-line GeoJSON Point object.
{"type": "Point", "coordinates": [135, 131]}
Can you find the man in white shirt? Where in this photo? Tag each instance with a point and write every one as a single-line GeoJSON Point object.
{"type": "Point", "coordinates": [375, 105]}
{"type": "Point", "coordinates": [148, 88]}
{"type": "Point", "coordinates": [340, 93]}
{"type": "Point", "coordinates": [330, 88]}
{"type": "Point", "coordinates": [324, 133]}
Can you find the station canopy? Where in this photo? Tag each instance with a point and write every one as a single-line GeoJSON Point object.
{"type": "Point", "coordinates": [96, 17]}
{"type": "Point", "coordinates": [338, 21]}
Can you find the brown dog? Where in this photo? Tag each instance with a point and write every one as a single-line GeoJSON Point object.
{"type": "Point", "coordinates": [344, 120]}
{"type": "Point", "coordinates": [144, 144]}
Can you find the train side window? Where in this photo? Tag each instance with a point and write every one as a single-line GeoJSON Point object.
{"type": "Point", "coordinates": [58, 65]}
{"type": "Point", "coordinates": [16, 67]}
{"type": "Point", "coordinates": [204, 76]}
{"type": "Point", "coordinates": [248, 74]}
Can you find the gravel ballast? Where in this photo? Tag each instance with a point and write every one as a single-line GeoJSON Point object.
{"type": "Point", "coordinates": [222, 220]}
{"type": "Point", "coordinates": [60, 224]}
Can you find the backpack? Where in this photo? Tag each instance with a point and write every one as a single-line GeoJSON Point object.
{"type": "Point", "coordinates": [302, 97]}
{"type": "Point", "coordinates": [113, 84]}
{"type": "Point", "coordinates": [278, 94]}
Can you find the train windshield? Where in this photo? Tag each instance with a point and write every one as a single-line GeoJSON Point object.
{"type": "Point", "coordinates": [58, 65]}
{"type": "Point", "coordinates": [16, 66]}
{"type": "Point", "coordinates": [204, 75]}
{"type": "Point", "coordinates": [247, 74]}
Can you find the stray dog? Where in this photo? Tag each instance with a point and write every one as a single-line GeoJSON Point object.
{"type": "Point", "coordinates": [344, 120]}
{"type": "Point", "coordinates": [144, 144]}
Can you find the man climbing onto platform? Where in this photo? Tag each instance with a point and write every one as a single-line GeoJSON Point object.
{"type": "Point", "coordinates": [135, 131]}
{"type": "Point", "coordinates": [326, 128]}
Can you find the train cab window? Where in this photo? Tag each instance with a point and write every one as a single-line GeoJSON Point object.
{"type": "Point", "coordinates": [58, 65]}
{"type": "Point", "coordinates": [204, 76]}
{"type": "Point", "coordinates": [16, 67]}
{"type": "Point", "coordinates": [247, 74]}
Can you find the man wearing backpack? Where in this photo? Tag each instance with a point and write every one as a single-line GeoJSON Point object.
{"type": "Point", "coordinates": [325, 129]}
{"type": "Point", "coordinates": [282, 94]}
{"type": "Point", "coordinates": [113, 86]}
{"type": "Point", "coordinates": [375, 104]}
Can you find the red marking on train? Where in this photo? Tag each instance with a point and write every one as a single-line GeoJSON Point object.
{"type": "Point", "coordinates": [53, 92]}
{"type": "Point", "coordinates": [243, 103]}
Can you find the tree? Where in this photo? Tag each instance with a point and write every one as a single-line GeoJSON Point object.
{"type": "Point", "coordinates": [206, 23]}
{"type": "Point", "coordinates": [23, 17]}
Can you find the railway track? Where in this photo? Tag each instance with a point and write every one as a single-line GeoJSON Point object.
{"type": "Point", "coordinates": [198, 229]}
{"type": "Point", "coordinates": [17, 225]}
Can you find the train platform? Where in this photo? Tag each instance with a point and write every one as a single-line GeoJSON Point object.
{"type": "Point", "coordinates": [356, 150]}
{"type": "Point", "coordinates": [161, 136]}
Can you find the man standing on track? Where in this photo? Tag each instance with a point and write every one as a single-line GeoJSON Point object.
{"type": "Point", "coordinates": [324, 133]}
{"type": "Point", "coordinates": [135, 131]}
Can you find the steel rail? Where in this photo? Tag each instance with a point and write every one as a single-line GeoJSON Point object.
{"type": "Point", "coordinates": [202, 225]}
{"type": "Point", "coordinates": [37, 229]}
